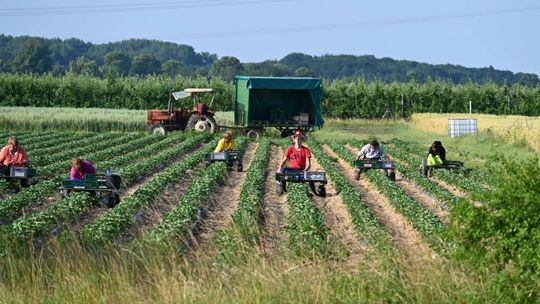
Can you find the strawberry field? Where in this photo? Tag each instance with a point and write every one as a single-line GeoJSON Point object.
{"type": "Point", "coordinates": [172, 199]}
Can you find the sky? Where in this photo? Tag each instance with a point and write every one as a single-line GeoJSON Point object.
{"type": "Point", "coordinates": [472, 33]}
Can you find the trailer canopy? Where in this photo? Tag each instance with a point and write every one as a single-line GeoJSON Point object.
{"type": "Point", "coordinates": [277, 98]}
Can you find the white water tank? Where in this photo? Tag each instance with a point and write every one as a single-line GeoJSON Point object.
{"type": "Point", "coordinates": [462, 126]}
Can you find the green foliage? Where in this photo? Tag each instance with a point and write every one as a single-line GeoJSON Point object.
{"type": "Point", "coordinates": [145, 64]}
{"type": "Point", "coordinates": [501, 228]}
{"type": "Point", "coordinates": [34, 57]}
{"type": "Point", "coordinates": [117, 220]}
{"type": "Point", "coordinates": [419, 217]}
{"type": "Point", "coordinates": [226, 68]}
{"type": "Point", "coordinates": [367, 226]}
{"type": "Point", "coordinates": [341, 98]}
{"type": "Point", "coordinates": [177, 223]}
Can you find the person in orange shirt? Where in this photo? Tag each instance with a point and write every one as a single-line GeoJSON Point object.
{"type": "Point", "coordinates": [13, 155]}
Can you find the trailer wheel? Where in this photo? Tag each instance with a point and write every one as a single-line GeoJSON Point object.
{"type": "Point", "coordinates": [252, 135]}
{"type": "Point", "coordinates": [201, 123]}
{"type": "Point", "coordinates": [158, 130]}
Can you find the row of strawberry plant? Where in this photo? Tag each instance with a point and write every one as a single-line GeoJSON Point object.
{"type": "Point", "coordinates": [42, 223]}
{"type": "Point", "coordinates": [247, 216]}
{"type": "Point", "coordinates": [13, 206]}
{"type": "Point", "coordinates": [177, 222]}
{"type": "Point", "coordinates": [419, 217]}
{"type": "Point", "coordinates": [50, 140]}
{"type": "Point", "coordinates": [458, 180]}
{"type": "Point", "coordinates": [419, 179]}
{"type": "Point", "coordinates": [44, 159]}
{"type": "Point", "coordinates": [117, 220]}
{"type": "Point", "coordinates": [366, 225]}
{"type": "Point", "coordinates": [133, 171]}
{"type": "Point", "coordinates": [306, 229]}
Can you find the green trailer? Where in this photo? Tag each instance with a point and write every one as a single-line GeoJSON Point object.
{"type": "Point", "coordinates": [285, 103]}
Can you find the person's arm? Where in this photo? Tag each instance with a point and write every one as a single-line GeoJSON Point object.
{"type": "Point", "coordinates": [24, 158]}
{"type": "Point", "coordinates": [219, 147]}
{"type": "Point", "coordinates": [362, 153]}
{"type": "Point", "coordinates": [308, 159]}
{"type": "Point", "coordinates": [284, 160]}
{"type": "Point", "coordinates": [443, 154]}
{"type": "Point", "coordinates": [73, 174]}
{"type": "Point", "coordinates": [308, 164]}
{"type": "Point", "coordinates": [2, 156]}
{"type": "Point", "coordinates": [383, 154]}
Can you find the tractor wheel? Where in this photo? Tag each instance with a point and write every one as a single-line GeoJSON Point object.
{"type": "Point", "coordinates": [201, 123]}
{"type": "Point", "coordinates": [158, 130]}
{"type": "Point", "coordinates": [252, 135]}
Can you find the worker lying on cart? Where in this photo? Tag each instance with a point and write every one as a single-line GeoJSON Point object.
{"type": "Point", "coordinates": [374, 150]}
{"type": "Point", "coordinates": [298, 155]}
{"type": "Point", "coordinates": [80, 168]}
{"type": "Point", "coordinates": [436, 154]}
{"type": "Point", "coordinates": [13, 155]}
{"type": "Point", "coordinates": [226, 143]}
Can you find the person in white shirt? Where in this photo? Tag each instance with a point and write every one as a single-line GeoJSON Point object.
{"type": "Point", "coordinates": [374, 150]}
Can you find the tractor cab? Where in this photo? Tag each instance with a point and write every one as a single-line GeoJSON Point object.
{"type": "Point", "coordinates": [199, 118]}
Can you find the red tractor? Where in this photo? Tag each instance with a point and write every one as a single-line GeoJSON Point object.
{"type": "Point", "coordinates": [200, 118]}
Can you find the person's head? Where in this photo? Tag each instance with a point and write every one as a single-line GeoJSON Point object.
{"type": "Point", "coordinates": [436, 145]}
{"type": "Point", "coordinates": [77, 164]}
{"type": "Point", "coordinates": [374, 144]}
{"type": "Point", "coordinates": [13, 142]}
{"type": "Point", "coordinates": [227, 136]}
{"type": "Point", "coordinates": [298, 137]}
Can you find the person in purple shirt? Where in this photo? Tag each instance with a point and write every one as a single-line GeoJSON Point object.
{"type": "Point", "coordinates": [80, 168]}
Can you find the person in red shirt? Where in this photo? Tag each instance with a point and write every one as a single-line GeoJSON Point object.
{"type": "Point", "coordinates": [298, 156]}
{"type": "Point", "coordinates": [13, 155]}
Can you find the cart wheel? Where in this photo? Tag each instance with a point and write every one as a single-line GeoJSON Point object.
{"type": "Point", "coordinates": [252, 135]}
{"type": "Point", "coordinates": [240, 168]}
{"type": "Point", "coordinates": [112, 200]}
{"type": "Point", "coordinates": [281, 188]}
{"type": "Point", "coordinates": [322, 190]}
{"type": "Point", "coordinates": [392, 175]}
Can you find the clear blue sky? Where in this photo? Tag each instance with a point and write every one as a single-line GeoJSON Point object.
{"type": "Point", "coordinates": [504, 34]}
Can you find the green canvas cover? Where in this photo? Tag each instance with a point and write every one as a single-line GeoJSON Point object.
{"type": "Point", "coordinates": [267, 93]}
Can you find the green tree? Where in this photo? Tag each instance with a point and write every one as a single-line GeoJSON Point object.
{"type": "Point", "coordinates": [83, 66]}
{"type": "Point", "coordinates": [144, 64]}
{"type": "Point", "coordinates": [34, 57]}
{"type": "Point", "coordinates": [303, 72]}
{"type": "Point", "coordinates": [175, 68]}
{"type": "Point", "coordinates": [117, 62]}
{"type": "Point", "coordinates": [226, 67]}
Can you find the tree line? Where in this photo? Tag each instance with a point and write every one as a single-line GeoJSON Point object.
{"type": "Point", "coordinates": [141, 57]}
{"type": "Point", "coordinates": [341, 98]}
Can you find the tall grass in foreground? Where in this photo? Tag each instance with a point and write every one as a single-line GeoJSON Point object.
{"type": "Point", "coordinates": [70, 274]}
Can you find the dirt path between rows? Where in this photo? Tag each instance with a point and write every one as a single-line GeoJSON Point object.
{"type": "Point", "coordinates": [401, 231]}
{"type": "Point", "coordinates": [221, 206]}
{"type": "Point", "coordinates": [99, 210]}
{"type": "Point", "coordinates": [452, 189]}
{"type": "Point", "coordinates": [275, 209]}
{"type": "Point", "coordinates": [338, 219]}
{"type": "Point", "coordinates": [426, 200]}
